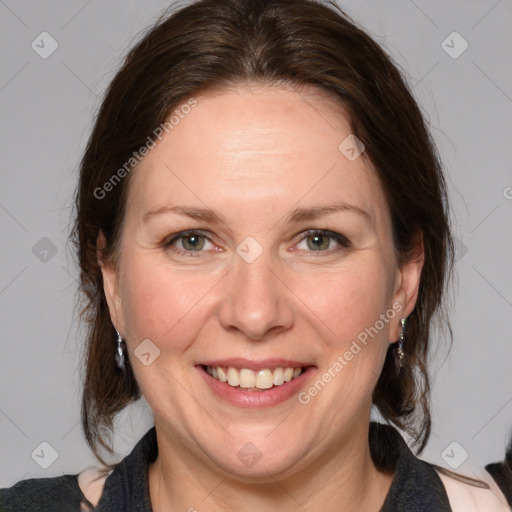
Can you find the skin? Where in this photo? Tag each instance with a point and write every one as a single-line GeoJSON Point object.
{"type": "Point", "coordinates": [252, 154]}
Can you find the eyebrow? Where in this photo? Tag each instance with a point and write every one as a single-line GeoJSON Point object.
{"type": "Point", "coordinates": [295, 216]}
{"type": "Point", "coordinates": [204, 214]}
{"type": "Point", "coordinates": [307, 214]}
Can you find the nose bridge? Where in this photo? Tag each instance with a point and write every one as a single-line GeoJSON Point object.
{"type": "Point", "coordinates": [255, 300]}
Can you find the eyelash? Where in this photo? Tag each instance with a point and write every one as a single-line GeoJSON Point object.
{"type": "Point", "coordinates": [342, 241]}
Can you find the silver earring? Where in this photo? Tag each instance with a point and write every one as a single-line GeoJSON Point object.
{"type": "Point", "coordinates": [401, 342]}
{"type": "Point", "coordinates": [119, 353]}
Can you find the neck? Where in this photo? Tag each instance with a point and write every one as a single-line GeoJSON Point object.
{"type": "Point", "coordinates": [343, 478]}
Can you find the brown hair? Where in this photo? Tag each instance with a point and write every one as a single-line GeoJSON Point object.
{"type": "Point", "coordinates": [215, 43]}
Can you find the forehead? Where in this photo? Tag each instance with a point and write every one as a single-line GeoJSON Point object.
{"type": "Point", "coordinates": [256, 146]}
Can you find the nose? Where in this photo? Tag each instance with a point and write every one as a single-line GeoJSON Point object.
{"type": "Point", "coordinates": [256, 302]}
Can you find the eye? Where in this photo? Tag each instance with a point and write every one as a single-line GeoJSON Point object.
{"type": "Point", "coordinates": [320, 240]}
{"type": "Point", "coordinates": [191, 241]}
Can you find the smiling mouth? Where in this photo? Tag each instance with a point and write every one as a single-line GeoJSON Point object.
{"type": "Point", "coordinates": [246, 379]}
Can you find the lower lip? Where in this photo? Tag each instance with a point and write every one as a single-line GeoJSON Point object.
{"type": "Point", "coordinates": [256, 399]}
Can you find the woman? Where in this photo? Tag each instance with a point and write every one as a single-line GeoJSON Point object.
{"type": "Point", "coordinates": [263, 236]}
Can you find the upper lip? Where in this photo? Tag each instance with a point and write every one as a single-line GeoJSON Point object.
{"type": "Point", "coordinates": [252, 364]}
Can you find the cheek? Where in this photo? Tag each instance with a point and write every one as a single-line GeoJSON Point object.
{"type": "Point", "coordinates": [347, 301]}
{"type": "Point", "coordinates": [170, 307]}
{"type": "Point", "coordinates": [158, 303]}
{"type": "Point", "coordinates": [347, 309]}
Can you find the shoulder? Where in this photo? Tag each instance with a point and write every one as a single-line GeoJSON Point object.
{"type": "Point", "coordinates": [123, 486]}
{"type": "Point", "coordinates": [466, 495]}
{"type": "Point", "coordinates": [419, 485]}
{"type": "Point", "coordinates": [57, 494]}
{"type": "Point", "coordinates": [416, 486]}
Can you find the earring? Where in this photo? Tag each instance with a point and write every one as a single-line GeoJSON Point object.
{"type": "Point", "coordinates": [119, 354]}
{"type": "Point", "coordinates": [401, 342]}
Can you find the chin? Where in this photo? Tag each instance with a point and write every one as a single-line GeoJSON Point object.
{"type": "Point", "coordinates": [258, 461]}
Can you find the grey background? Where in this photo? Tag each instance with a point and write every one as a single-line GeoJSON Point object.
{"type": "Point", "coordinates": [47, 107]}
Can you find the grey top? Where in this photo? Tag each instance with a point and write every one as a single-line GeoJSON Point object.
{"type": "Point", "coordinates": [416, 486]}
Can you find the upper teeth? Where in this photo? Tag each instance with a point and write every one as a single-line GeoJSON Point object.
{"type": "Point", "coordinates": [261, 379]}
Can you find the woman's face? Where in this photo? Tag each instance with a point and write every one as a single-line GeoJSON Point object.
{"type": "Point", "coordinates": [249, 173]}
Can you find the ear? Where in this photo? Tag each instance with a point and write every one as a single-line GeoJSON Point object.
{"type": "Point", "coordinates": [407, 286]}
{"type": "Point", "coordinates": [110, 284]}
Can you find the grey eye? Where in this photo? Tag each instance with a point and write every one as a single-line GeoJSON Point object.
{"type": "Point", "coordinates": [192, 242]}
{"type": "Point", "coordinates": [318, 241]}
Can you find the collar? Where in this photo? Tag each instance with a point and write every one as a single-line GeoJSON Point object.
{"type": "Point", "coordinates": [416, 486]}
